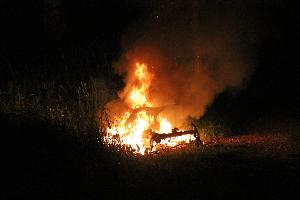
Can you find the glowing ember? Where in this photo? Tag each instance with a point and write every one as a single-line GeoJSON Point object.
{"type": "Point", "coordinates": [133, 127]}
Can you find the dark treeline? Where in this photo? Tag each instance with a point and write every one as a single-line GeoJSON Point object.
{"type": "Point", "coordinates": [56, 36]}
{"type": "Point", "coordinates": [74, 40]}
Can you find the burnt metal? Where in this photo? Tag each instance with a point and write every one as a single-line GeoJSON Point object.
{"type": "Point", "coordinates": [157, 137]}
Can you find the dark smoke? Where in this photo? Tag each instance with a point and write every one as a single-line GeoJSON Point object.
{"type": "Point", "coordinates": [195, 51]}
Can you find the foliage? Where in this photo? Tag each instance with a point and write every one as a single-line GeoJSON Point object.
{"type": "Point", "coordinates": [209, 129]}
{"type": "Point", "coordinates": [64, 103]}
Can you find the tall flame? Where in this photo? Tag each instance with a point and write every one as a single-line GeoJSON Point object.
{"type": "Point", "coordinates": [131, 128]}
{"type": "Point", "coordinates": [139, 95]}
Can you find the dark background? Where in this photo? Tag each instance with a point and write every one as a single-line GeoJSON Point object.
{"type": "Point", "coordinates": [57, 36]}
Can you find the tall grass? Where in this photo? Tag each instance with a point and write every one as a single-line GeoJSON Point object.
{"type": "Point", "coordinates": [69, 104]}
{"type": "Point", "coordinates": [209, 129]}
{"type": "Point", "coordinates": [75, 105]}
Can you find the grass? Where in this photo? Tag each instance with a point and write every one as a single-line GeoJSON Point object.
{"type": "Point", "coordinates": [43, 159]}
{"type": "Point", "coordinates": [208, 129]}
{"type": "Point", "coordinates": [71, 105]}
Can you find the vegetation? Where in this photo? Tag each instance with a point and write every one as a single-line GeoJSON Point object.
{"type": "Point", "coordinates": [73, 105]}
{"type": "Point", "coordinates": [43, 159]}
{"type": "Point", "coordinates": [66, 104]}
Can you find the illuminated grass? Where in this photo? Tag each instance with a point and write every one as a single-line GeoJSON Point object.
{"type": "Point", "coordinates": [71, 105]}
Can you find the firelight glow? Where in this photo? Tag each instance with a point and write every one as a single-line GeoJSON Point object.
{"type": "Point", "coordinates": [131, 127]}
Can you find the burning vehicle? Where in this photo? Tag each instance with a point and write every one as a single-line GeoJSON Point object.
{"type": "Point", "coordinates": [141, 126]}
{"type": "Point", "coordinates": [173, 68]}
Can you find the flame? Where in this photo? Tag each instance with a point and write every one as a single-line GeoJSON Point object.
{"type": "Point", "coordinates": [165, 126]}
{"type": "Point", "coordinates": [140, 94]}
{"type": "Point", "coordinates": [131, 127]}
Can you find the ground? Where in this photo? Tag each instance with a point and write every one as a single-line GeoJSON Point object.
{"type": "Point", "coordinates": [44, 161]}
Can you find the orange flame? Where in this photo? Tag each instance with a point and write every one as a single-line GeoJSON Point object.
{"type": "Point", "coordinates": [131, 127]}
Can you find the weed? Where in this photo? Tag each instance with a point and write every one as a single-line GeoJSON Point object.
{"type": "Point", "coordinates": [65, 103]}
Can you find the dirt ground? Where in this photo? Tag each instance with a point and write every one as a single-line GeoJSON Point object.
{"type": "Point", "coordinates": [40, 161]}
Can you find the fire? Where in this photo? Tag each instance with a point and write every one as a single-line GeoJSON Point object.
{"type": "Point", "coordinates": [132, 128]}
{"type": "Point", "coordinates": [165, 126]}
{"type": "Point", "coordinates": [139, 94]}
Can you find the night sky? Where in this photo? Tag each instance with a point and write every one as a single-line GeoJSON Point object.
{"type": "Point", "coordinates": [34, 35]}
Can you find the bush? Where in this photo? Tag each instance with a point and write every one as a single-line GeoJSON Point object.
{"type": "Point", "coordinates": [68, 104]}
{"type": "Point", "coordinates": [209, 129]}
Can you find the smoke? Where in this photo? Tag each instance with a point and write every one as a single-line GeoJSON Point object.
{"type": "Point", "coordinates": [195, 52]}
